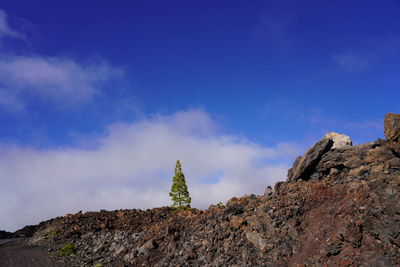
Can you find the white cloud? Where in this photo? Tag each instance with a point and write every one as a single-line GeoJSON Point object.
{"type": "Point", "coordinates": [132, 167]}
{"type": "Point", "coordinates": [51, 79]}
{"type": "Point", "coordinates": [57, 81]}
{"type": "Point", "coordinates": [351, 62]}
{"type": "Point", "coordinates": [367, 53]}
{"type": "Point", "coordinates": [5, 30]}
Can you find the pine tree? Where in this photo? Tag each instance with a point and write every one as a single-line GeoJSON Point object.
{"type": "Point", "coordinates": [179, 190]}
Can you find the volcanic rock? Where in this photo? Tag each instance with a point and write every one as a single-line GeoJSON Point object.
{"type": "Point", "coordinates": [392, 127]}
{"type": "Point", "coordinates": [303, 167]}
{"type": "Point", "coordinates": [257, 240]}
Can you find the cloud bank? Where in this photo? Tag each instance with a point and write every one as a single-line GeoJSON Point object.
{"type": "Point", "coordinates": [132, 165]}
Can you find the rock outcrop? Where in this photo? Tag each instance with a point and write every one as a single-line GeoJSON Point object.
{"type": "Point", "coordinates": [339, 140]}
{"type": "Point", "coordinates": [304, 166]}
{"type": "Point", "coordinates": [340, 206]}
{"type": "Point", "coordinates": [392, 127]}
{"type": "Point", "coordinates": [392, 131]}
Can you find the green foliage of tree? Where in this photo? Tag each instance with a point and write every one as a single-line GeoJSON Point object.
{"type": "Point", "coordinates": [179, 190]}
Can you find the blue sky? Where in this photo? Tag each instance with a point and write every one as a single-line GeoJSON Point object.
{"type": "Point", "coordinates": [258, 81]}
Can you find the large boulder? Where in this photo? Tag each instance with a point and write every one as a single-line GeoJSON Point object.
{"type": "Point", "coordinates": [304, 166]}
{"type": "Point", "coordinates": [339, 140]}
{"type": "Point", "coordinates": [392, 127]}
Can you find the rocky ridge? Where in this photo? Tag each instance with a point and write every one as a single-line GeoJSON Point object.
{"type": "Point", "coordinates": [26, 231]}
{"type": "Point", "coordinates": [340, 206]}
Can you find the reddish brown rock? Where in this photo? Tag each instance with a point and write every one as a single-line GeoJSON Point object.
{"type": "Point", "coordinates": [392, 127]}
{"type": "Point", "coordinates": [237, 221]}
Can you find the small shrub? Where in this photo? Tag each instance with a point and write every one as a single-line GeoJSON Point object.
{"type": "Point", "coordinates": [53, 233]}
{"type": "Point", "coordinates": [67, 250]}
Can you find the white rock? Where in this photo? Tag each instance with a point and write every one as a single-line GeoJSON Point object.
{"type": "Point", "coordinates": [268, 191]}
{"type": "Point", "coordinates": [339, 140]}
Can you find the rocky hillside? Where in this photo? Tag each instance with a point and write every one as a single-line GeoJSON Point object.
{"type": "Point", "coordinates": [27, 231]}
{"type": "Point", "coordinates": [5, 234]}
{"type": "Point", "coordinates": [340, 206]}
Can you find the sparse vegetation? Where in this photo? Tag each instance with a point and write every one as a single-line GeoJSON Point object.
{"type": "Point", "coordinates": [53, 233]}
{"type": "Point", "coordinates": [67, 250]}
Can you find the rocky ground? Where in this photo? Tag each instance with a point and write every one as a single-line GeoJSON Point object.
{"type": "Point", "coordinates": [340, 206]}
{"type": "Point", "coordinates": [22, 254]}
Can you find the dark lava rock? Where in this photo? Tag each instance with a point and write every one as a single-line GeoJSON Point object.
{"type": "Point", "coordinates": [234, 209]}
{"type": "Point", "coordinates": [304, 166]}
